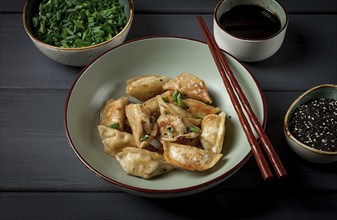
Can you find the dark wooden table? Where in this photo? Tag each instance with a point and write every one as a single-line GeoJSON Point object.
{"type": "Point", "coordinates": [41, 178]}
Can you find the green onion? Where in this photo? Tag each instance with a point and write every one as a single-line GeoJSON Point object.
{"type": "Point", "coordinates": [175, 95]}
{"type": "Point", "coordinates": [170, 129]}
{"type": "Point", "coordinates": [145, 138]}
{"type": "Point", "coordinates": [114, 125]}
{"type": "Point", "coordinates": [193, 129]}
{"type": "Point", "coordinates": [180, 101]}
{"type": "Point", "coordinates": [78, 23]}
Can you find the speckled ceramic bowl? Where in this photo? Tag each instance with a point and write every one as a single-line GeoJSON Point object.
{"type": "Point", "coordinates": [105, 78]}
{"type": "Point", "coordinates": [309, 153]}
{"type": "Point", "coordinates": [75, 56]}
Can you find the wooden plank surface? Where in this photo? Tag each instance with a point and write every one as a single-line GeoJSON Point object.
{"type": "Point", "coordinates": [225, 205]}
{"type": "Point", "coordinates": [309, 37]}
{"type": "Point", "coordinates": [197, 6]}
{"type": "Point", "coordinates": [41, 177]}
{"type": "Point", "coordinates": [35, 154]}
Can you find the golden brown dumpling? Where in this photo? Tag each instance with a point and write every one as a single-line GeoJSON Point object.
{"type": "Point", "coordinates": [189, 157]}
{"type": "Point", "coordinates": [175, 127]}
{"type": "Point", "coordinates": [153, 106]}
{"type": "Point", "coordinates": [199, 109]}
{"type": "Point", "coordinates": [172, 108]}
{"type": "Point", "coordinates": [143, 128]}
{"type": "Point", "coordinates": [195, 142]}
{"type": "Point", "coordinates": [189, 85]}
{"type": "Point", "coordinates": [114, 140]}
{"type": "Point", "coordinates": [145, 87]}
{"type": "Point", "coordinates": [113, 113]}
{"type": "Point", "coordinates": [142, 163]}
{"type": "Point", "coordinates": [213, 132]}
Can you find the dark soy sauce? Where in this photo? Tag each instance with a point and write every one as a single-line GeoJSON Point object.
{"type": "Point", "coordinates": [250, 22]}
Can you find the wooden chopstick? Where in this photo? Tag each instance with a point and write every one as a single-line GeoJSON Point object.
{"type": "Point", "coordinates": [229, 78]}
{"type": "Point", "coordinates": [266, 144]}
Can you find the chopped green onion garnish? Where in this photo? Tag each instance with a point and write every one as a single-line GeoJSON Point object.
{"type": "Point", "coordinates": [180, 101]}
{"type": "Point", "coordinates": [170, 129]}
{"type": "Point", "coordinates": [145, 138]}
{"type": "Point", "coordinates": [193, 129]}
{"type": "Point", "coordinates": [78, 23]}
{"type": "Point", "coordinates": [114, 125]}
{"type": "Point", "coordinates": [175, 95]}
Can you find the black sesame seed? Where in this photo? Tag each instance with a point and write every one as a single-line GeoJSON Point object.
{"type": "Point", "coordinates": [315, 124]}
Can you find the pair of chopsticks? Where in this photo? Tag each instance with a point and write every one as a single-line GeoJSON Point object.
{"type": "Point", "coordinates": [231, 84]}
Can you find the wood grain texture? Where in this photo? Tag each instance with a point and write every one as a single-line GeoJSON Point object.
{"type": "Point", "coordinates": [225, 204]}
{"type": "Point", "coordinates": [41, 177]}
{"type": "Point", "coordinates": [35, 154]}
{"type": "Point", "coordinates": [309, 37]}
{"type": "Point", "coordinates": [197, 6]}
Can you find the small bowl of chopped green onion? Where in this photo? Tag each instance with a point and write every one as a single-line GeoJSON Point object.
{"type": "Point", "coordinates": [75, 32]}
{"type": "Point", "coordinates": [310, 124]}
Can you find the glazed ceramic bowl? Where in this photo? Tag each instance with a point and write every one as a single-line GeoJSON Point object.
{"type": "Point", "coordinates": [303, 150]}
{"type": "Point", "coordinates": [170, 56]}
{"type": "Point", "coordinates": [75, 56]}
{"type": "Point", "coordinates": [249, 49]}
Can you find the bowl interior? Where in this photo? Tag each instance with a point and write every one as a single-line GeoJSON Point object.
{"type": "Point", "coordinates": [272, 6]}
{"type": "Point", "coordinates": [105, 78]}
{"type": "Point", "coordinates": [320, 91]}
{"type": "Point", "coordinates": [32, 8]}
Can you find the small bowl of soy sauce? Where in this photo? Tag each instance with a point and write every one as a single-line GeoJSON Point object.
{"type": "Point", "coordinates": [251, 30]}
{"type": "Point", "coordinates": [310, 124]}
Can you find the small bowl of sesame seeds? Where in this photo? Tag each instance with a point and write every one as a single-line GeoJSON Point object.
{"type": "Point", "coordinates": [310, 124]}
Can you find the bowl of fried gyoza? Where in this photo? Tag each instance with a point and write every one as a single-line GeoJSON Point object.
{"type": "Point", "coordinates": [153, 117]}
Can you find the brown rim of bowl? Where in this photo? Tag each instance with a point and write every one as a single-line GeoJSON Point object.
{"type": "Point", "coordinates": [287, 118]}
{"type": "Point", "coordinates": [31, 35]}
{"type": "Point", "coordinates": [157, 192]}
{"type": "Point", "coordinates": [253, 40]}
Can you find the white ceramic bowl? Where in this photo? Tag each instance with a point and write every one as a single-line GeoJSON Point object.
{"type": "Point", "coordinates": [76, 56]}
{"type": "Point", "coordinates": [306, 152]}
{"type": "Point", "coordinates": [250, 50]}
{"type": "Point", "coordinates": [105, 78]}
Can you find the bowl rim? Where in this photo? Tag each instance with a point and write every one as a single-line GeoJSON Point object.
{"type": "Point", "coordinates": [288, 115]}
{"type": "Point", "coordinates": [162, 192]}
{"type": "Point", "coordinates": [66, 49]}
{"type": "Point", "coordinates": [282, 29]}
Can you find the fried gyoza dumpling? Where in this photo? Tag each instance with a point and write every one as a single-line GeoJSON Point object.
{"type": "Point", "coordinates": [145, 87]}
{"type": "Point", "coordinates": [189, 157]}
{"type": "Point", "coordinates": [213, 132]}
{"type": "Point", "coordinates": [142, 163]}
{"type": "Point", "coordinates": [114, 140]}
{"type": "Point", "coordinates": [143, 128]}
{"type": "Point", "coordinates": [113, 113]}
{"type": "Point", "coordinates": [171, 108]}
{"type": "Point", "coordinates": [153, 106]}
{"type": "Point", "coordinates": [175, 127]}
{"type": "Point", "coordinates": [189, 85]}
{"type": "Point", "coordinates": [199, 109]}
{"type": "Point", "coordinates": [195, 142]}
